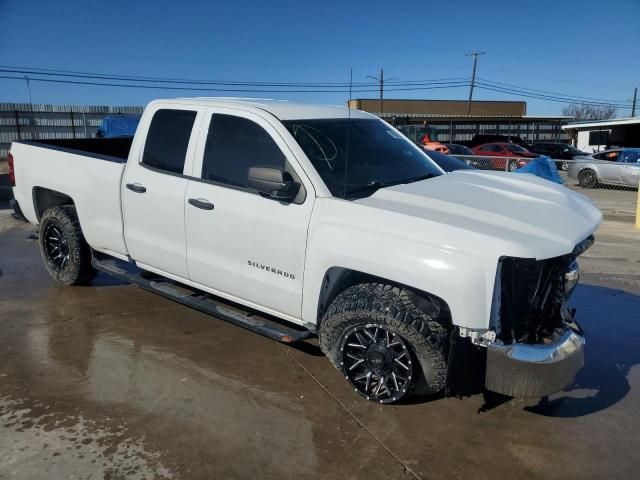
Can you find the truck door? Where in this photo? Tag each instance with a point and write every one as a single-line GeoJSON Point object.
{"type": "Point", "coordinates": [241, 245]}
{"type": "Point", "coordinates": [153, 189]}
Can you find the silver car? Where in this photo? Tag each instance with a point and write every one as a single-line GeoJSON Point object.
{"type": "Point", "coordinates": [618, 166]}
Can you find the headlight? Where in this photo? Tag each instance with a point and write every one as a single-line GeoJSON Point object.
{"type": "Point", "coordinates": [571, 278]}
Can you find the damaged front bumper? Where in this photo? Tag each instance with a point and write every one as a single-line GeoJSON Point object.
{"type": "Point", "coordinates": [524, 370]}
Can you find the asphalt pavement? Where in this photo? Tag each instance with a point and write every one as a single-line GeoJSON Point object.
{"type": "Point", "coordinates": [111, 381]}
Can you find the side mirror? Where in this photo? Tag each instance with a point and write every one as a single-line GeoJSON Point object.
{"type": "Point", "coordinates": [273, 183]}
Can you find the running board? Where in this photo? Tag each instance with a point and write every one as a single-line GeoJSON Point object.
{"type": "Point", "coordinates": [201, 301]}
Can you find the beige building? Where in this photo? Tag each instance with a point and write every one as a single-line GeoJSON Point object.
{"type": "Point", "coordinates": [449, 122]}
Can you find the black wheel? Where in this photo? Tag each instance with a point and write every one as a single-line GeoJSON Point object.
{"type": "Point", "coordinates": [65, 253]}
{"type": "Point", "coordinates": [587, 178]}
{"type": "Point", "coordinates": [513, 166]}
{"type": "Point", "coordinates": [386, 341]}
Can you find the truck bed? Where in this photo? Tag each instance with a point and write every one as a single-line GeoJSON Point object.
{"type": "Point", "coordinates": [111, 149]}
{"type": "Point", "coordinates": [88, 171]}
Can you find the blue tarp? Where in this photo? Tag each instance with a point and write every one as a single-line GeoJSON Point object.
{"type": "Point", "coordinates": [543, 167]}
{"type": "Point", "coordinates": [118, 126]}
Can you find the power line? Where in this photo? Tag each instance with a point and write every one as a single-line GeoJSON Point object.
{"type": "Point", "coordinates": [71, 77]}
{"type": "Point", "coordinates": [493, 82]}
{"type": "Point", "coordinates": [483, 86]}
{"type": "Point", "coordinates": [211, 89]}
{"type": "Point", "coordinates": [137, 78]}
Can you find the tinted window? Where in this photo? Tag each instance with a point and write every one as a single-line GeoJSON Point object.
{"type": "Point", "coordinates": [167, 140]}
{"type": "Point", "coordinates": [358, 156]}
{"type": "Point", "coordinates": [458, 149]}
{"type": "Point", "coordinates": [515, 148]}
{"type": "Point", "coordinates": [630, 156]}
{"type": "Point", "coordinates": [609, 155]}
{"type": "Point", "coordinates": [233, 145]}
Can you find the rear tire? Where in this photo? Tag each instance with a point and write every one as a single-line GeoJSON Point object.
{"type": "Point", "coordinates": [65, 252]}
{"type": "Point", "coordinates": [402, 341]}
{"type": "Point", "coordinates": [587, 178]}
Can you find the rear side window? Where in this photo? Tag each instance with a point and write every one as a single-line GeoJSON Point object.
{"type": "Point", "coordinates": [168, 139]}
{"type": "Point", "coordinates": [235, 144]}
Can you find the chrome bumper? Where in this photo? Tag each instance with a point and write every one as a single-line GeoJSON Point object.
{"type": "Point", "coordinates": [522, 370]}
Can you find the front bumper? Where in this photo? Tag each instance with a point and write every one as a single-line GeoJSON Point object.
{"type": "Point", "coordinates": [523, 370]}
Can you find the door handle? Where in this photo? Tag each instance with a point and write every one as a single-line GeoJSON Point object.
{"type": "Point", "coordinates": [136, 187]}
{"type": "Point", "coordinates": [201, 203]}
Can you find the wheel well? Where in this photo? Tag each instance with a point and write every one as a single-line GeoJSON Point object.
{"type": "Point", "coordinates": [45, 198]}
{"type": "Point", "coordinates": [337, 279]}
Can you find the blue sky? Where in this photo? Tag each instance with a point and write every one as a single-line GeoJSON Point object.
{"type": "Point", "coordinates": [583, 48]}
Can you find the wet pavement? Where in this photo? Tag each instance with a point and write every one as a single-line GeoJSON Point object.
{"type": "Point", "coordinates": [111, 381]}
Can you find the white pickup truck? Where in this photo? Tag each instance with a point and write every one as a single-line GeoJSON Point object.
{"type": "Point", "coordinates": [292, 220]}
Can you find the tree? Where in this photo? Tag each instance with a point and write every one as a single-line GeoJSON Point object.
{"type": "Point", "coordinates": [585, 111]}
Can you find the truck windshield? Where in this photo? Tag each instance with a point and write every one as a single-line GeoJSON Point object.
{"type": "Point", "coordinates": [359, 156]}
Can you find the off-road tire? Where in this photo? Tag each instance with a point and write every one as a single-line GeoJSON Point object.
{"type": "Point", "coordinates": [78, 269]}
{"type": "Point", "coordinates": [421, 323]}
{"type": "Point", "coordinates": [587, 178]}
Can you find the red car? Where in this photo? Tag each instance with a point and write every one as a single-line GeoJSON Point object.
{"type": "Point", "coordinates": [499, 153]}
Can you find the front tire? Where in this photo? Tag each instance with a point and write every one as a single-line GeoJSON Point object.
{"type": "Point", "coordinates": [587, 178]}
{"type": "Point", "coordinates": [65, 252]}
{"type": "Point", "coordinates": [387, 342]}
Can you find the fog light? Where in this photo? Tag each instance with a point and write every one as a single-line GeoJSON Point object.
{"type": "Point", "coordinates": [571, 278]}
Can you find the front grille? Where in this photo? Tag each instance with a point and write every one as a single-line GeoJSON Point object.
{"type": "Point", "coordinates": [530, 296]}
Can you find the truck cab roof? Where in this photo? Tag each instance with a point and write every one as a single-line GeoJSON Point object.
{"type": "Point", "coordinates": [281, 109]}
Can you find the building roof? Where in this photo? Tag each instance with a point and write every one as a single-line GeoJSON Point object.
{"type": "Point", "coordinates": [282, 109]}
{"type": "Point", "coordinates": [442, 107]}
{"type": "Point", "coordinates": [602, 123]}
{"type": "Point", "coordinates": [436, 116]}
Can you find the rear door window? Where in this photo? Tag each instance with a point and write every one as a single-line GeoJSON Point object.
{"type": "Point", "coordinates": [234, 144]}
{"type": "Point", "coordinates": [167, 140]}
{"type": "Point", "coordinates": [630, 156]}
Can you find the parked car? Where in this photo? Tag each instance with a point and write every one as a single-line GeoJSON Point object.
{"type": "Point", "coordinates": [620, 166]}
{"type": "Point", "coordinates": [294, 219]}
{"type": "Point", "coordinates": [447, 162]}
{"type": "Point", "coordinates": [457, 149]}
{"type": "Point", "coordinates": [501, 153]}
{"type": "Point", "coordinates": [464, 153]}
{"type": "Point", "coordinates": [558, 151]}
{"type": "Point", "coordinates": [481, 138]}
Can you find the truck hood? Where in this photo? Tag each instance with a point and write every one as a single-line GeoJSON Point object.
{"type": "Point", "coordinates": [518, 214]}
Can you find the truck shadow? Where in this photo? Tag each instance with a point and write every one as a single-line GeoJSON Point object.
{"type": "Point", "coordinates": [612, 324]}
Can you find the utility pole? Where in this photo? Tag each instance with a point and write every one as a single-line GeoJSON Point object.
{"type": "Point", "coordinates": [473, 54]}
{"type": "Point", "coordinates": [29, 89]}
{"type": "Point", "coordinates": [381, 81]}
{"type": "Point", "coordinates": [633, 107]}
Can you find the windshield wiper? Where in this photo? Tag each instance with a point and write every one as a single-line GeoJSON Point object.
{"type": "Point", "coordinates": [377, 185]}
{"type": "Point", "coordinates": [370, 187]}
{"type": "Point", "coordinates": [426, 176]}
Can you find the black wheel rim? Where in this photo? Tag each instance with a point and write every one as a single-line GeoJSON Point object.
{"type": "Point", "coordinates": [588, 178]}
{"type": "Point", "coordinates": [376, 362]}
{"type": "Point", "coordinates": [56, 247]}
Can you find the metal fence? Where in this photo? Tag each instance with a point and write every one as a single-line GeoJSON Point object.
{"type": "Point", "coordinates": [23, 121]}
{"type": "Point", "coordinates": [612, 185]}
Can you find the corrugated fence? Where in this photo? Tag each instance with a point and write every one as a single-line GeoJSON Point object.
{"type": "Point", "coordinates": [23, 121]}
